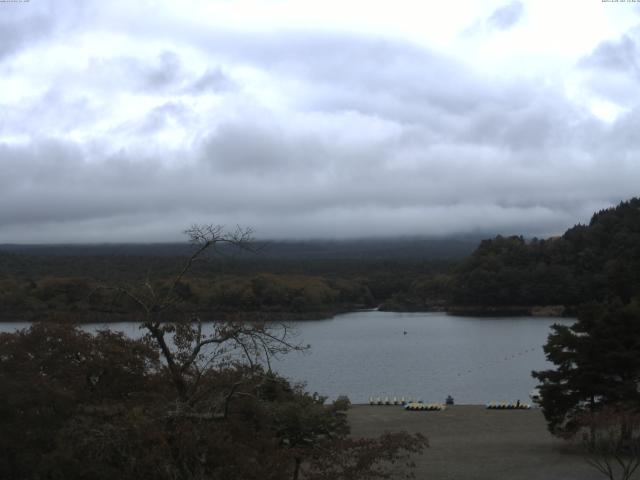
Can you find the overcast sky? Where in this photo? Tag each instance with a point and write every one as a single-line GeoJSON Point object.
{"type": "Point", "coordinates": [129, 121]}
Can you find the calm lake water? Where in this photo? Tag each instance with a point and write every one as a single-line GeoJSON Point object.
{"type": "Point", "coordinates": [364, 354]}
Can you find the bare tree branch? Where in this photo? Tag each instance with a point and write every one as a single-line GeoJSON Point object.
{"type": "Point", "coordinates": [187, 354]}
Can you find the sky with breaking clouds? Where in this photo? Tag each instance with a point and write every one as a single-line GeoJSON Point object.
{"type": "Point", "coordinates": [129, 121]}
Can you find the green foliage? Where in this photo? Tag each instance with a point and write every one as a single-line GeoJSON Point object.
{"type": "Point", "coordinates": [595, 262]}
{"type": "Point", "coordinates": [597, 363]}
{"type": "Point", "coordinates": [52, 373]}
{"type": "Point", "coordinates": [426, 292]}
{"type": "Point", "coordinates": [86, 299]}
{"type": "Point", "coordinates": [74, 405]}
{"type": "Point", "coordinates": [298, 281]}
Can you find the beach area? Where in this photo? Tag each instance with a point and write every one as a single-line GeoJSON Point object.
{"type": "Point", "coordinates": [470, 442]}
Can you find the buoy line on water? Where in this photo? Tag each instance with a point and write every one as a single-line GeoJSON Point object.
{"type": "Point", "coordinates": [456, 372]}
{"type": "Point", "coordinates": [395, 400]}
{"type": "Point", "coordinates": [387, 400]}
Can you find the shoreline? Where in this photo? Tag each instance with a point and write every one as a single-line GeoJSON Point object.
{"type": "Point", "coordinates": [287, 316]}
{"type": "Point", "coordinates": [508, 311]}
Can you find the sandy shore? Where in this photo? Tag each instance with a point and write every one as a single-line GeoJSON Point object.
{"type": "Point", "coordinates": [471, 442]}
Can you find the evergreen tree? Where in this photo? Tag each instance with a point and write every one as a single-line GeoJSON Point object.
{"type": "Point", "coordinates": [597, 363]}
{"type": "Point", "coordinates": [597, 262]}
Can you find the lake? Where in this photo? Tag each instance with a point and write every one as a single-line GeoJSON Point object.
{"type": "Point", "coordinates": [364, 354]}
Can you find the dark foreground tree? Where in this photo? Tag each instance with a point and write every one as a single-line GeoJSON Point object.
{"type": "Point", "coordinates": [186, 401]}
{"type": "Point", "coordinates": [54, 375]}
{"type": "Point", "coordinates": [597, 363]}
{"type": "Point", "coordinates": [593, 394]}
{"type": "Point", "coordinates": [75, 405]}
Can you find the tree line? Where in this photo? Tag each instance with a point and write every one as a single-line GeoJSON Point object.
{"type": "Point", "coordinates": [599, 261]}
{"type": "Point", "coordinates": [266, 294]}
{"type": "Point", "coordinates": [44, 285]}
{"type": "Point", "coordinates": [593, 392]}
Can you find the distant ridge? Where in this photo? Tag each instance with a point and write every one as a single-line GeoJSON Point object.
{"type": "Point", "coordinates": [449, 248]}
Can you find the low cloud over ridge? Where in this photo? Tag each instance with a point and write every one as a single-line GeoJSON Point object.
{"type": "Point", "coordinates": [298, 134]}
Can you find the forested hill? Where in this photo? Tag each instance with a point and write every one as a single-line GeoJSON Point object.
{"type": "Point", "coordinates": [306, 279]}
{"type": "Point", "coordinates": [589, 262]}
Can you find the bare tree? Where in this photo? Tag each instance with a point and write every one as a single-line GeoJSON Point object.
{"type": "Point", "coordinates": [187, 349]}
{"type": "Point", "coordinates": [612, 441]}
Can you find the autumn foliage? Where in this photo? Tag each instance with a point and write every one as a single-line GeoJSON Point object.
{"type": "Point", "coordinates": [75, 405]}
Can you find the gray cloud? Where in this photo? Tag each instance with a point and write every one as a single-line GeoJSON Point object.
{"type": "Point", "coordinates": [160, 72]}
{"type": "Point", "coordinates": [391, 79]}
{"type": "Point", "coordinates": [507, 16]}
{"type": "Point", "coordinates": [250, 175]}
{"type": "Point", "coordinates": [165, 73]}
{"type": "Point", "coordinates": [17, 34]}
{"type": "Point", "coordinates": [612, 70]}
{"type": "Point", "coordinates": [502, 19]}
{"type": "Point", "coordinates": [213, 80]}
{"type": "Point", "coordinates": [621, 55]}
{"type": "Point", "coordinates": [364, 137]}
{"type": "Point", "coordinates": [27, 24]}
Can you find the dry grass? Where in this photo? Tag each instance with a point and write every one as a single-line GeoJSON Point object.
{"type": "Point", "coordinates": [471, 442]}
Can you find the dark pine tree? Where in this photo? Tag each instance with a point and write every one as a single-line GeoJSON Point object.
{"type": "Point", "coordinates": [597, 363]}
